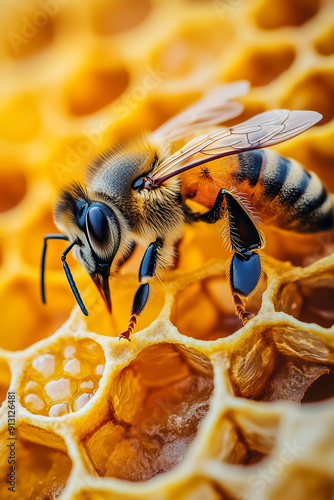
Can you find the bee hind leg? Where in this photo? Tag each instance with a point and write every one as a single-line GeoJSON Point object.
{"type": "Point", "coordinates": [146, 271]}
{"type": "Point", "coordinates": [245, 269]}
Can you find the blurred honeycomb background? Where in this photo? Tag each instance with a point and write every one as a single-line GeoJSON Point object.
{"type": "Point", "coordinates": [196, 406]}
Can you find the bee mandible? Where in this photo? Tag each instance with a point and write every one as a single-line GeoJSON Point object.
{"type": "Point", "coordinates": [137, 194]}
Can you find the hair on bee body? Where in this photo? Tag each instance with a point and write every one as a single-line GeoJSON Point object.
{"type": "Point", "coordinates": [137, 193]}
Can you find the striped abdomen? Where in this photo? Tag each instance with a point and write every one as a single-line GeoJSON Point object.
{"type": "Point", "coordinates": [284, 193]}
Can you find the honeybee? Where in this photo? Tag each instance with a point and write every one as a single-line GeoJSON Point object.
{"type": "Point", "coordinates": [139, 192]}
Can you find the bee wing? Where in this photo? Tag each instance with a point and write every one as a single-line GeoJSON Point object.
{"type": "Point", "coordinates": [214, 107]}
{"type": "Point", "coordinates": [265, 129]}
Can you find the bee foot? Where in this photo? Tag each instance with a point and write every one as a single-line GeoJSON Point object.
{"type": "Point", "coordinates": [132, 324]}
{"type": "Point", "coordinates": [240, 309]}
{"type": "Point", "coordinates": [124, 335]}
{"type": "Point", "coordinates": [246, 316]}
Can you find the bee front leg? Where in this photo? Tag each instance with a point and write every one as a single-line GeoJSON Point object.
{"type": "Point", "coordinates": [146, 271]}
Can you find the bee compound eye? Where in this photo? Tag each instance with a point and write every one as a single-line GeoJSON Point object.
{"type": "Point", "coordinates": [97, 224]}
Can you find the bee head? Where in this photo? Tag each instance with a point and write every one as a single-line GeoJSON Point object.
{"type": "Point", "coordinates": [95, 228]}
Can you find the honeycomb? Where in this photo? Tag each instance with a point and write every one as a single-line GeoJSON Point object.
{"type": "Point", "coordinates": [197, 406]}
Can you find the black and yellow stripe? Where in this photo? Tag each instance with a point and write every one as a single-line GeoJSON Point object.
{"type": "Point", "coordinates": [284, 192]}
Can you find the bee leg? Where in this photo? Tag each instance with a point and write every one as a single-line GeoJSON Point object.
{"type": "Point", "coordinates": [245, 269]}
{"type": "Point", "coordinates": [214, 214]}
{"type": "Point", "coordinates": [138, 305]}
{"type": "Point", "coordinates": [146, 271]}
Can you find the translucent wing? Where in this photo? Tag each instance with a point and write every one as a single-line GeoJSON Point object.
{"type": "Point", "coordinates": [265, 129]}
{"type": "Point", "coordinates": [214, 107]}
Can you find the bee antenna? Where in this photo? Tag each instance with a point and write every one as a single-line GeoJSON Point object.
{"type": "Point", "coordinates": [66, 269]}
{"type": "Point", "coordinates": [70, 277]}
